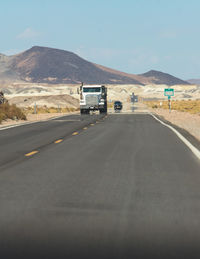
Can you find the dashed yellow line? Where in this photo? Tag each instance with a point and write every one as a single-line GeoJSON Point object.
{"type": "Point", "coordinates": [58, 141]}
{"type": "Point", "coordinates": [31, 153]}
{"type": "Point", "coordinates": [75, 133]}
{"type": "Point", "coordinates": [85, 128]}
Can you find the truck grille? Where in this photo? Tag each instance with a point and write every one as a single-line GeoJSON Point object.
{"type": "Point", "coordinates": [92, 99]}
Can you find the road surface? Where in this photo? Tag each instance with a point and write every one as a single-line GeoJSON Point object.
{"type": "Point", "coordinates": [123, 186]}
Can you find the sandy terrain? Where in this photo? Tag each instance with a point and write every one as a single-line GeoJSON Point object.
{"type": "Point", "coordinates": [154, 91]}
{"type": "Point", "coordinates": [61, 101]}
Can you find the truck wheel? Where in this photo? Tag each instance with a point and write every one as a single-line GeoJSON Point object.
{"type": "Point", "coordinates": [105, 108]}
{"type": "Point", "coordinates": [103, 111]}
{"type": "Point", "coordinates": [84, 111]}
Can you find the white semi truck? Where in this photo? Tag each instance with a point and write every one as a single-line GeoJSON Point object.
{"type": "Point", "coordinates": [93, 98]}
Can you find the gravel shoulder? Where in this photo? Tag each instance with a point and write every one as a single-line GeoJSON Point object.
{"type": "Point", "coordinates": [188, 124]}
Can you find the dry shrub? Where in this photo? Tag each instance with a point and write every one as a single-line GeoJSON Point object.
{"type": "Point", "coordinates": [154, 106]}
{"type": "Point", "coordinates": [110, 105]}
{"type": "Point", "coordinates": [12, 112]}
{"type": "Point", "coordinates": [191, 106]}
{"type": "Point", "coordinates": [2, 117]}
{"type": "Point", "coordinates": [45, 109]}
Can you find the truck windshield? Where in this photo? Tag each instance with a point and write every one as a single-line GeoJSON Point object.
{"type": "Point", "coordinates": [91, 89]}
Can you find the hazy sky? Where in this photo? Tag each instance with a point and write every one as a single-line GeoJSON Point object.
{"type": "Point", "coordinates": [129, 35]}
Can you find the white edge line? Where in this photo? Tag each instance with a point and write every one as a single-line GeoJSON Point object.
{"type": "Point", "coordinates": [194, 150]}
{"type": "Point", "coordinates": [28, 123]}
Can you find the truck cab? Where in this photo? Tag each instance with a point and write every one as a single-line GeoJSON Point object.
{"type": "Point", "coordinates": [93, 98]}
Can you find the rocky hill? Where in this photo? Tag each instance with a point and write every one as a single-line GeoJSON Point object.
{"type": "Point", "coordinates": [47, 65]}
{"type": "Point", "coordinates": [194, 81]}
{"type": "Point", "coordinates": [157, 77]}
{"type": "Point", "coordinates": [55, 66]}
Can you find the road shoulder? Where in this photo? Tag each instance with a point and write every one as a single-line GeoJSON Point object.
{"type": "Point", "coordinates": [191, 138]}
{"type": "Point", "coordinates": [34, 119]}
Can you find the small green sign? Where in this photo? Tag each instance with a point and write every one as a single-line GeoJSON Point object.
{"type": "Point", "coordinates": [169, 92]}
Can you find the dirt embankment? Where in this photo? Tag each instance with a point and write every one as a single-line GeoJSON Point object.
{"type": "Point", "coordinates": [48, 101]}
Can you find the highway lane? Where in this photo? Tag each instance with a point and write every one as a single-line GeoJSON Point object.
{"type": "Point", "coordinates": [126, 187]}
{"type": "Point", "coordinates": [18, 141]}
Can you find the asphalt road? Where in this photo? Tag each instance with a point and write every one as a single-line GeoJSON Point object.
{"type": "Point", "coordinates": [125, 187]}
{"type": "Point", "coordinates": [17, 141]}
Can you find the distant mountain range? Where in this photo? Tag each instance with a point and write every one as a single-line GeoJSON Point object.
{"type": "Point", "coordinates": [55, 66]}
{"type": "Point", "coordinates": [157, 77]}
{"type": "Point", "coordinates": [194, 81]}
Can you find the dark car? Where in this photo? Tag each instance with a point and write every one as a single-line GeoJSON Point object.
{"type": "Point", "coordinates": [118, 105]}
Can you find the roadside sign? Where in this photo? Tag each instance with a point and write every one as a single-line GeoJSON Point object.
{"type": "Point", "coordinates": [169, 92]}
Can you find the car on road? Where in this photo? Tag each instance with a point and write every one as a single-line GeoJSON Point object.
{"type": "Point", "coordinates": [118, 106]}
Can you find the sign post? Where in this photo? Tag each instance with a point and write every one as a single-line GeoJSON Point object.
{"type": "Point", "coordinates": [169, 92]}
{"type": "Point", "coordinates": [35, 108]}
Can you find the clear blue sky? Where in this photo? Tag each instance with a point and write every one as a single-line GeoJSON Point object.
{"type": "Point", "coordinates": [129, 35]}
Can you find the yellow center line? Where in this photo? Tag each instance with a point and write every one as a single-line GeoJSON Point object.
{"type": "Point", "coordinates": [58, 141]}
{"type": "Point", "coordinates": [31, 153]}
{"type": "Point", "coordinates": [75, 133]}
{"type": "Point", "coordinates": [85, 128]}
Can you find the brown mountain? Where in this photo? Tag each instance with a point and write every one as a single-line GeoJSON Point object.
{"type": "Point", "coordinates": [6, 72]}
{"type": "Point", "coordinates": [48, 65]}
{"type": "Point", "coordinates": [157, 77]}
{"type": "Point", "coordinates": [194, 81]}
